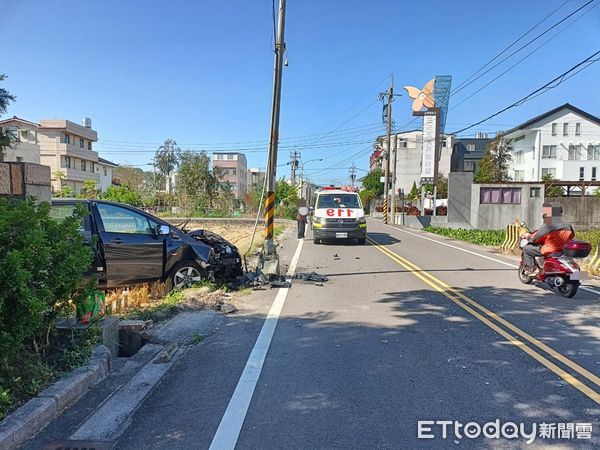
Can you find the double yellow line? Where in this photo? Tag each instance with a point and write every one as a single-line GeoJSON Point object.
{"type": "Point", "coordinates": [494, 321]}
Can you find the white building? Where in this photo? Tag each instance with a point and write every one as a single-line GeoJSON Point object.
{"type": "Point", "coordinates": [24, 134]}
{"type": "Point", "coordinates": [409, 146]}
{"type": "Point", "coordinates": [106, 173]}
{"type": "Point", "coordinates": [563, 142]}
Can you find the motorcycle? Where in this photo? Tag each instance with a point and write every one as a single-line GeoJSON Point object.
{"type": "Point", "coordinates": [559, 271]}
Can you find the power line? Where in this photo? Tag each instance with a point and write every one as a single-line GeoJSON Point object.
{"type": "Point", "coordinates": [521, 60]}
{"type": "Point", "coordinates": [510, 45]}
{"type": "Point", "coordinates": [561, 79]}
{"type": "Point", "coordinates": [464, 85]}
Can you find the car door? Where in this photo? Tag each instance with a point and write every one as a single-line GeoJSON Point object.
{"type": "Point", "coordinates": [133, 251]}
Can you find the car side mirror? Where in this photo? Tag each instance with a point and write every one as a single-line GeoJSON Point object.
{"type": "Point", "coordinates": [163, 230]}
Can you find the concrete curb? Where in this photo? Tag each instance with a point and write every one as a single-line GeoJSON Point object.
{"type": "Point", "coordinates": [38, 412]}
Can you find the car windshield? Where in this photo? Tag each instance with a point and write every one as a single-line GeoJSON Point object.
{"type": "Point", "coordinates": [338, 201]}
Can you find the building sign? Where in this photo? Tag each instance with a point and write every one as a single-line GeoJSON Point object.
{"type": "Point", "coordinates": [428, 153]}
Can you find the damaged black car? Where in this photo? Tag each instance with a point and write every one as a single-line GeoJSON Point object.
{"type": "Point", "coordinates": [133, 247]}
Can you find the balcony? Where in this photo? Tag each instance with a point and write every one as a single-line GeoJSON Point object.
{"type": "Point", "coordinates": [75, 151]}
{"type": "Point", "coordinates": [74, 174]}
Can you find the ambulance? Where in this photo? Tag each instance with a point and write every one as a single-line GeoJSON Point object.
{"type": "Point", "coordinates": [338, 214]}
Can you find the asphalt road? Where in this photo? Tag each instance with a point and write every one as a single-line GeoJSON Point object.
{"type": "Point", "coordinates": [407, 329]}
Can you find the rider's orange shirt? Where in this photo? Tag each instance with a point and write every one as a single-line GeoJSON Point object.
{"type": "Point", "coordinates": [554, 241]}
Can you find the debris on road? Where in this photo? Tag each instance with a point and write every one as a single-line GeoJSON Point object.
{"type": "Point", "coordinates": [227, 308]}
{"type": "Point", "coordinates": [166, 353]}
{"type": "Point", "coordinates": [311, 277]}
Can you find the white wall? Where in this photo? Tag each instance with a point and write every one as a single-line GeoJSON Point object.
{"type": "Point", "coordinates": [105, 180]}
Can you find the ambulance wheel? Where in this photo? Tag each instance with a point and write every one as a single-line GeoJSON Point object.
{"type": "Point", "coordinates": [317, 241]}
{"type": "Point", "coordinates": [362, 241]}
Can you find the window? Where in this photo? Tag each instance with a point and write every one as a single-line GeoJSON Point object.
{"type": "Point", "coordinates": [444, 143]}
{"type": "Point", "coordinates": [83, 165]}
{"type": "Point", "coordinates": [338, 201]}
{"type": "Point", "coordinates": [575, 152]}
{"type": "Point", "coordinates": [581, 173]}
{"type": "Point", "coordinates": [81, 143]}
{"type": "Point", "coordinates": [553, 129]}
{"type": "Point", "coordinates": [519, 138]}
{"type": "Point", "coordinates": [230, 156]}
{"type": "Point", "coordinates": [500, 196]}
{"type": "Point", "coordinates": [23, 135]}
{"type": "Point", "coordinates": [535, 192]}
{"type": "Point", "coordinates": [19, 159]}
{"type": "Point", "coordinates": [233, 171]}
{"type": "Point", "coordinates": [593, 152]}
{"type": "Point", "coordinates": [549, 171]}
{"type": "Point", "coordinates": [549, 151]}
{"type": "Point", "coordinates": [89, 145]}
{"type": "Point", "coordinates": [577, 129]}
{"type": "Point", "coordinates": [594, 170]}
{"type": "Point", "coordinates": [67, 138]}
{"type": "Point", "coordinates": [67, 162]}
{"type": "Point", "coordinates": [519, 175]}
{"type": "Point", "coordinates": [403, 143]}
{"type": "Point", "coordinates": [519, 157]}
{"type": "Point", "coordinates": [116, 219]}
{"type": "Point", "coordinates": [105, 172]}
{"type": "Point", "coordinates": [469, 166]}
{"type": "Point", "coordinates": [471, 147]}
{"type": "Point", "coordinates": [565, 129]}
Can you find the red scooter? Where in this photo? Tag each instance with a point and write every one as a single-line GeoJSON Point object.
{"type": "Point", "coordinates": [558, 271]}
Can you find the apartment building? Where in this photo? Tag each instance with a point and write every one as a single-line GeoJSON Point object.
{"type": "Point", "coordinates": [68, 148]}
{"type": "Point", "coordinates": [563, 142]}
{"type": "Point", "coordinates": [255, 177]}
{"type": "Point", "coordinates": [24, 134]}
{"type": "Point", "coordinates": [409, 146]}
{"type": "Point", "coordinates": [234, 169]}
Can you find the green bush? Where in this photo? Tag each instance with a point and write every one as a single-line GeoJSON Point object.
{"type": "Point", "coordinates": [481, 237]}
{"type": "Point", "coordinates": [42, 266]}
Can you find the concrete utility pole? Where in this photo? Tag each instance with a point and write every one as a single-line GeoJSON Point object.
{"type": "Point", "coordinates": [294, 161]}
{"type": "Point", "coordinates": [386, 187]}
{"type": "Point", "coordinates": [352, 174]}
{"type": "Point", "coordinates": [269, 248]}
{"type": "Point", "coordinates": [394, 188]}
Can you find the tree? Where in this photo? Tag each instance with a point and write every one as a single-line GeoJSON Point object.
{"type": "Point", "coordinates": [63, 191]}
{"type": "Point", "coordinates": [6, 141]}
{"type": "Point", "coordinates": [166, 159]}
{"type": "Point", "coordinates": [372, 182]}
{"type": "Point", "coordinates": [442, 186]}
{"type": "Point", "coordinates": [197, 185]}
{"type": "Point", "coordinates": [551, 189]}
{"type": "Point", "coordinates": [122, 194]}
{"type": "Point", "coordinates": [131, 177]}
{"type": "Point", "coordinates": [286, 198]}
{"type": "Point", "coordinates": [493, 167]}
{"type": "Point", "coordinates": [414, 193]}
{"type": "Point", "coordinates": [90, 189]}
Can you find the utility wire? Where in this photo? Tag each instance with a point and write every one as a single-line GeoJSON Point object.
{"type": "Point", "coordinates": [464, 85]}
{"type": "Point", "coordinates": [561, 79]}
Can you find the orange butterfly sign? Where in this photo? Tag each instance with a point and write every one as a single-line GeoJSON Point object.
{"type": "Point", "coordinates": [423, 97]}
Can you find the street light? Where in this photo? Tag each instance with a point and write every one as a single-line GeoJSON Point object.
{"type": "Point", "coordinates": [302, 190]}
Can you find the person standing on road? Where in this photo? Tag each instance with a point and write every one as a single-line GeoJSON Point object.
{"type": "Point", "coordinates": [301, 219]}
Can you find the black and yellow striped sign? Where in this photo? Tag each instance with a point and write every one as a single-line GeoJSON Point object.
{"type": "Point", "coordinates": [269, 215]}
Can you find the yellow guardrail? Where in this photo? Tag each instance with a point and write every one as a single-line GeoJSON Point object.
{"type": "Point", "coordinates": [593, 262]}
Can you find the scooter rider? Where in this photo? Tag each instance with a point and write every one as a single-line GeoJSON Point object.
{"type": "Point", "coordinates": [551, 237]}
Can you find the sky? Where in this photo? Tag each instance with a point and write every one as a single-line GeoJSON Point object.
{"type": "Point", "coordinates": [201, 72]}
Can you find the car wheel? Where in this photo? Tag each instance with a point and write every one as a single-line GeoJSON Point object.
{"type": "Point", "coordinates": [185, 275]}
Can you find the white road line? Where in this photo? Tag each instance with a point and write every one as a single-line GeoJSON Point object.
{"type": "Point", "coordinates": [231, 424]}
{"type": "Point", "coordinates": [471, 252]}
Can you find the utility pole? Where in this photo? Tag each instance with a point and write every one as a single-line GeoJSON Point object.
{"type": "Point", "coordinates": [294, 161]}
{"type": "Point", "coordinates": [394, 188]}
{"type": "Point", "coordinates": [269, 248]}
{"type": "Point", "coordinates": [386, 187]}
{"type": "Point", "coordinates": [352, 174]}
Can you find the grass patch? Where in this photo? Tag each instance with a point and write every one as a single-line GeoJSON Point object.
{"type": "Point", "coordinates": [480, 237]}
{"type": "Point", "coordinates": [162, 310]}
